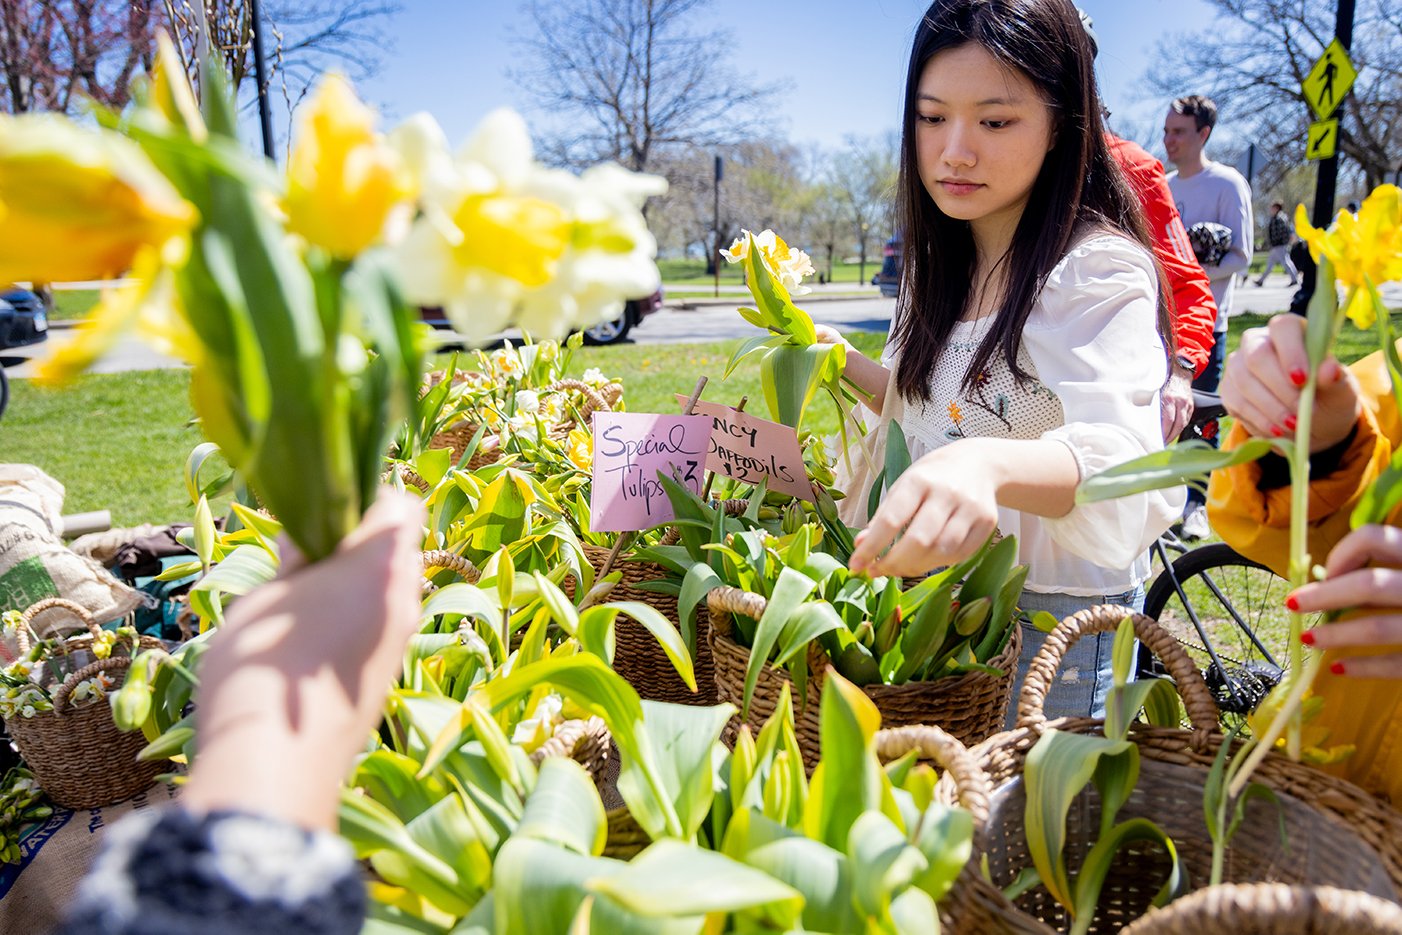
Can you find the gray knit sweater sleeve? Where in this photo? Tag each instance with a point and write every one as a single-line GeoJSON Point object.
{"type": "Point", "coordinates": [168, 872]}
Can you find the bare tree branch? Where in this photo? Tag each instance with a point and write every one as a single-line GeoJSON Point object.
{"type": "Point", "coordinates": [1253, 59]}
{"type": "Point", "coordinates": [635, 80]}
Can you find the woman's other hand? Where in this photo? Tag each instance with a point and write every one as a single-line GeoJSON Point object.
{"type": "Point", "coordinates": [1263, 378]}
{"type": "Point", "coordinates": [1363, 573]}
{"type": "Point", "coordinates": [294, 682]}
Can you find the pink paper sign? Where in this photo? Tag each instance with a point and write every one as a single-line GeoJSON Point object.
{"type": "Point", "coordinates": [630, 448]}
{"type": "Point", "coordinates": [751, 449]}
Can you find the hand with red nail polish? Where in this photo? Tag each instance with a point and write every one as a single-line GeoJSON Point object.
{"type": "Point", "coordinates": [1363, 575]}
{"type": "Point", "coordinates": [1263, 378]}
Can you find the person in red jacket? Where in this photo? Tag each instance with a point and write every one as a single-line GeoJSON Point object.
{"type": "Point", "coordinates": [1194, 310]}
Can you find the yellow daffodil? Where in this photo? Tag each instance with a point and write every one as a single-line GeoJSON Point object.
{"type": "Point", "coordinates": [78, 203]}
{"type": "Point", "coordinates": [343, 180]}
{"type": "Point", "coordinates": [580, 449]}
{"type": "Point", "coordinates": [1365, 251]}
{"type": "Point", "coordinates": [788, 264]}
{"type": "Point", "coordinates": [1314, 737]}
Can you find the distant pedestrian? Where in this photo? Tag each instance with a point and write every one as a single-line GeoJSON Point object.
{"type": "Point", "coordinates": [1208, 192]}
{"type": "Point", "coordinates": [1278, 235]}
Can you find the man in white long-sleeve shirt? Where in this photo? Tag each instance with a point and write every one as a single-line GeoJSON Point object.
{"type": "Point", "coordinates": [1204, 190]}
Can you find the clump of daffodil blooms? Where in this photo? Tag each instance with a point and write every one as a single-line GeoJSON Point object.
{"type": "Point", "coordinates": [1365, 251]}
{"type": "Point", "coordinates": [788, 264]}
{"type": "Point", "coordinates": [293, 293]}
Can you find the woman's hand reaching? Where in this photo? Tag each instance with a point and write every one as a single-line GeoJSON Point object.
{"type": "Point", "coordinates": [1363, 573]}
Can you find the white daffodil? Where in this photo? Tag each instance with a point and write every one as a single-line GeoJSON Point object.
{"type": "Point", "coordinates": [527, 402]}
{"type": "Point", "coordinates": [789, 264]}
{"type": "Point", "coordinates": [552, 408]}
{"type": "Point", "coordinates": [595, 377]}
{"type": "Point", "coordinates": [501, 240]}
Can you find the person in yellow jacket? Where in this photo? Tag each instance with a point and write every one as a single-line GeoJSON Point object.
{"type": "Point", "coordinates": [1355, 429]}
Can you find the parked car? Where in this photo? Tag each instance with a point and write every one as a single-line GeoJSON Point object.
{"type": "Point", "coordinates": [634, 310]}
{"type": "Point", "coordinates": [23, 321]}
{"type": "Point", "coordinates": [889, 278]}
{"type": "Point", "coordinates": [609, 332]}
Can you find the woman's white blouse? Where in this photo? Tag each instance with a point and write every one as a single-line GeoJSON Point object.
{"type": "Point", "coordinates": [1092, 347]}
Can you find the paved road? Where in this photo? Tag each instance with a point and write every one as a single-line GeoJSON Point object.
{"type": "Point", "coordinates": [706, 320]}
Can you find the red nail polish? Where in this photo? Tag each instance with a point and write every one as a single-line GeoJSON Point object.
{"type": "Point", "coordinates": [1307, 637]}
{"type": "Point", "coordinates": [1337, 667]}
{"type": "Point", "coordinates": [1292, 603]}
{"type": "Point", "coordinates": [1290, 423]}
{"type": "Point", "coordinates": [1298, 377]}
{"type": "Point", "coordinates": [1277, 431]}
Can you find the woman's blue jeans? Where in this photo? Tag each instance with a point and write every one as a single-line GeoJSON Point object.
{"type": "Point", "coordinates": [1085, 677]}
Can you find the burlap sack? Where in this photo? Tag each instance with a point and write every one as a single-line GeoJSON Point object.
{"type": "Point", "coordinates": [35, 564]}
{"type": "Point", "coordinates": [55, 855]}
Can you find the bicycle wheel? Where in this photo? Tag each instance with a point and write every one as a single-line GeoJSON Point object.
{"type": "Point", "coordinates": [1229, 612]}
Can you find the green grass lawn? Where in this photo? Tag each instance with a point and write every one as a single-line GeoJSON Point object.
{"type": "Point", "coordinates": [694, 271]}
{"type": "Point", "coordinates": [71, 304]}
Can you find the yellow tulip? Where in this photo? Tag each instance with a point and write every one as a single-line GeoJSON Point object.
{"type": "Point", "coordinates": [343, 179]}
{"type": "Point", "coordinates": [171, 95]}
{"type": "Point", "coordinates": [79, 203]}
{"type": "Point", "coordinates": [1365, 251]}
{"type": "Point", "coordinates": [581, 449]}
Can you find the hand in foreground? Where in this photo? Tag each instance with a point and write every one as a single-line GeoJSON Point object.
{"type": "Point", "coordinates": [1262, 381]}
{"type": "Point", "coordinates": [1177, 403]}
{"type": "Point", "coordinates": [943, 508]}
{"type": "Point", "coordinates": [827, 334]}
{"type": "Point", "coordinates": [1362, 573]}
{"type": "Point", "coordinates": [294, 682]}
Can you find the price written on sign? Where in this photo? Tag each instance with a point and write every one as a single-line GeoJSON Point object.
{"type": "Point", "coordinates": [630, 450]}
{"type": "Point", "coordinates": [751, 450]}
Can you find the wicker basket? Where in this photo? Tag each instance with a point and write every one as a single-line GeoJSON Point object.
{"type": "Point", "coordinates": [1273, 909]}
{"type": "Point", "coordinates": [963, 782]}
{"type": "Point", "coordinates": [970, 708]}
{"type": "Point", "coordinates": [78, 756]}
{"type": "Point", "coordinates": [1353, 841]}
{"type": "Point", "coordinates": [585, 742]}
{"type": "Point", "coordinates": [637, 656]}
{"type": "Point", "coordinates": [458, 436]}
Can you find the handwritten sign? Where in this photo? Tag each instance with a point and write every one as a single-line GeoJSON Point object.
{"type": "Point", "coordinates": [751, 449]}
{"type": "Point", "coordinates": [630, 448]}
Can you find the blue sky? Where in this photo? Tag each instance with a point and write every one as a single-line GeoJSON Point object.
{"type": "Point", "coordinates": [844, 62]}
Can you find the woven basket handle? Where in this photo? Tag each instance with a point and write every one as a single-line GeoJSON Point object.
{"type": "Point", "coordinates": [725, 602]}
{"type": "Point", "coordinates": [593, 401]}
{"type": "Point", "coordinates": [951, 756]}
{"type": "Point", "coordinates": [441, 558]}
{"type": "Point", "coordinates": [110, 664]}
{"type": "Point", "coordinates": [54, 603]}
{"type": "Point", "coordinates": [1202, 710]}
{"type": "Point", "coordinates": [566, 737]}
{"type": "Point", "coordinates": [1271, 907]}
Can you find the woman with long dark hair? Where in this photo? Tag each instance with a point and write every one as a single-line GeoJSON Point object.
{"type": "Point", "coordinates": [1029, 346]}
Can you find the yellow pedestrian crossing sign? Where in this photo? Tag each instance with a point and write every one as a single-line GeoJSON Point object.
{"type": "Point", "coordinates": [1329, 80]}
{"type": "Point", "coordinates": [1323, 140]}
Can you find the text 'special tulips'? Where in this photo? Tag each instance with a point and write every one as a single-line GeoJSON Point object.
{"type": "Point", "coordinates": [293, 296]}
